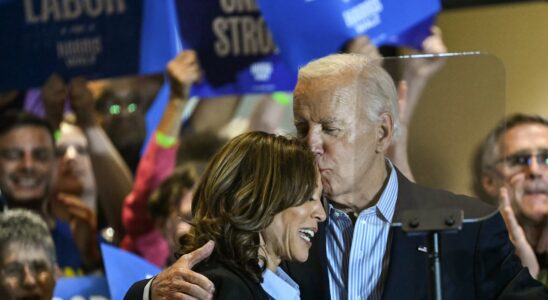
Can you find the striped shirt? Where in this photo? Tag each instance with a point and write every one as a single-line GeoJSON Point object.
{"type": "Point", "coordinates": [356, 254]}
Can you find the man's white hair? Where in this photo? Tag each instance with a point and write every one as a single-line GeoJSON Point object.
{"type": "Point", "coordinates": [375, 83]}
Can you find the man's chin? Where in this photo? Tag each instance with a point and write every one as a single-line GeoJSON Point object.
{"type": "Point", "coordinates": [26, 200]}
{"type": "Point", "coordinates": [536, 213]}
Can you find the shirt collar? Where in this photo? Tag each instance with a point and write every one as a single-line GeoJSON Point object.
{"type": "Point", "coordinates": [278, 285]}
{"type": "Point", "coordinates": [387, 202]}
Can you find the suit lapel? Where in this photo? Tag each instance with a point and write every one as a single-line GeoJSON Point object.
{"type": "Point", "coordinates": [407, 265]}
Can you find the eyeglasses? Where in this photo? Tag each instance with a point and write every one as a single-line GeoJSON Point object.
{"type": "Point", "coordinates": [521, 160]}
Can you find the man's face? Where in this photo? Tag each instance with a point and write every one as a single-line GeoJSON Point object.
{"type": "Point", "coordinates": [26, 273]}
{"type": "Point", "coordinates": [26, 165]}
{"type": "Point", "coordinates": [526, 177]}
{"type": "Point", "coordinates": [327, 114]}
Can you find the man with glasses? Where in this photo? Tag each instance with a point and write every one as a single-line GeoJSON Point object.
{"type": "Point", "coordinates": [514, 171]}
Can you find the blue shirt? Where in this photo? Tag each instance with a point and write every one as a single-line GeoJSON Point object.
{"type": "Point", "coordinates": [278, 285]}
{"type": "Point", "coordinates": [356, 255]}
{"type": "Point", "coordinates": [68, 255]}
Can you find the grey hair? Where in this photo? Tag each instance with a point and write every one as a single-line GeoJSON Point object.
{"type": "Point", "coordinates": [375, 83]}
{"type": "Point", "coordinates": [23, 227]}
{"type": "Point", "coordinates": [490, 149]}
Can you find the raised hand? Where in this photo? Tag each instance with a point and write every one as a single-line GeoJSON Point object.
{"type": "Point", "coordinates": [54, 93]}
{"type": "Point", "coordinates": [81, 101]}
{"type": "Point", "coordinates": [182, 72]}
{"type": "Point", "coordinates": [362, 45]}
{"type": "Point", "coordinates": [433, 44]}
{"type": "Point", "coordinates": [83, 225]}
{"type": "Point", "coordinates": [517, 235]}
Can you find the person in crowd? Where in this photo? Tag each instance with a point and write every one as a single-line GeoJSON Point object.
{"type": "Point", "coordinates": [27, 257]}
{"type": "Point", "coordinates": [122, 107]}
{"type": "Point", "coordinates": [514, 171]}
{"type": "Point", "coordinates": [143, 237]}
{"type": "Point", "coordinates": [346, 109]}
{"type": "Point", "coordinates": [170, 204]}
{"type": "Point", "coordinates": [90, 167]}
{"type": "Point", "coordinates": [28, 173]}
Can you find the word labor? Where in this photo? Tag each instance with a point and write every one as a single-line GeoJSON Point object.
{"type": "Point", "coordinates": [65, 10]}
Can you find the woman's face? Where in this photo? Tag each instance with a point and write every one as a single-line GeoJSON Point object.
{"type": "Point", "coordinates": [290, 234]}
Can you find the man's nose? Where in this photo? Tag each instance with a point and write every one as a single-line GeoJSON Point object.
{"type": "Point", "coordinates": [314, 141]}
{"type": "Point", "coordinates": [535, 166]}
{"type": "Point", "coordinates": [28, 161]}
{"type": "Point", "coordinates": [29, 276]}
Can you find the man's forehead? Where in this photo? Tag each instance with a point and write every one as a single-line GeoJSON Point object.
{"type": "Point", "coordinates": [17, 251]}
{"type": "Point", "coordinates": [525, 136]}
{"type": "Point", "coordinates": [330, 107]}
{"type": "Point", "coordinates": [34, 131]}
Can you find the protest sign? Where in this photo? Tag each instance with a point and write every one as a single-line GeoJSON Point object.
{"type": "Point", "coordinates": [123, 269]}
{"type": "Point", "coordinates": [309, 29]}
{"type": "Point", "coordinates": [81, 288]}
{"type": "Point", "coordinates": [96, 39]}
{"type": "Point", "coordinates": [234, 46]}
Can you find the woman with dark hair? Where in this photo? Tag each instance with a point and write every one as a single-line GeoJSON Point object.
{"type": "Point", "coordinates": [259, 200]}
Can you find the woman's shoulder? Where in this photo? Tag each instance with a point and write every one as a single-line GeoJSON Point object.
{"type": "Point", "coordinates": [229, 282]}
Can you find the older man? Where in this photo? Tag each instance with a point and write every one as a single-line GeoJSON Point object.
{"type": "Point", "coordinates": [346, 109]}
{"type": "Point", "coordinates": [514, 167]}
{"type": "Point", "coordinates": [27, 257]}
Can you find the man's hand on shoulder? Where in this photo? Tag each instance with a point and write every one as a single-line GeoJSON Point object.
{"type": "Point", "coordinates": [179, 281]}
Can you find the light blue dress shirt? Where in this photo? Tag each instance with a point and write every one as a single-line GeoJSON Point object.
{"type": "Point", "coordinates": [356, 255]}
{"type": "Point", "coordinates": [279, 286]}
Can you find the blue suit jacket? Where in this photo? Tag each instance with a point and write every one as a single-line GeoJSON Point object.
{"type": "Point", "coordinates": [478, 262]}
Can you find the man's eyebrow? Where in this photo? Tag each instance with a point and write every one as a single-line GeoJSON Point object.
{"type": "Point", "coordinates": [527, 151]}
{"type": "Point", "coordinates": [330, 121]}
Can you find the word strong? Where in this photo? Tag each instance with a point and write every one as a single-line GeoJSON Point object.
{"type": "Point", "coordinates": [66, 10]}
{"type": "Point", "coordinates": [241, 32]}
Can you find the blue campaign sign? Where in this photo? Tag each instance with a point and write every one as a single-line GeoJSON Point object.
{"type": "Point", "coordinates": [234, 46]}
{"type": "Point", "coordinates": [82, 288]}
{"type": "Point", "coordinates": [123, 269]}
{"type": "Point", "coordinates": [308, 29]}
{"type": "Point", "coordinates": [70, 37]}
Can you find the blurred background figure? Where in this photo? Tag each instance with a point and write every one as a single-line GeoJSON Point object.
{"type": "Point", "coordinates": [90, 168]}
{"type": "Point", "coordinates": [27, 257]}
{"type": "Point", "coordinates": [121, 105]}
{"type": "Point", "coordinates": [151, 223]}
{"type": "Point", "coordinates": [513, 173]}
{"type": "Point", "coordinates": [28, 176]}
{"type": "Point", "coordinates": [170, 204]}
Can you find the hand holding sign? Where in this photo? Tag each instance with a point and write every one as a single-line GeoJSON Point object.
{"type": "Point", "coordinates": [182, 72]}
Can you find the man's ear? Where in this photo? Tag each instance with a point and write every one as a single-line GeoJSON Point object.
{"type": "Point", "coordinates": [385, 129]}
{"type": "Point", "coordinates": [489, 184]}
